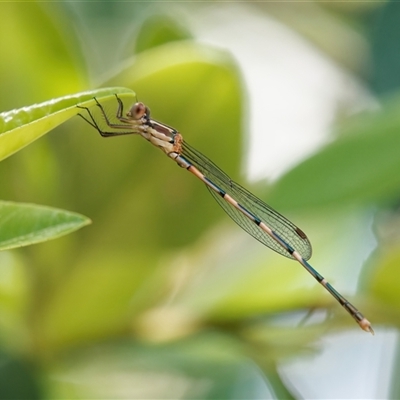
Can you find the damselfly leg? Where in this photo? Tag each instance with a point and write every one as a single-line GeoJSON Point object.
{"type": "Point", "coordinates": [127, 124]}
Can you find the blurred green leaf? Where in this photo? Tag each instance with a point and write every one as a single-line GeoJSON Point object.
{"type": "Point", "coordinates": [385, 277]}
{"type": "Point", "coordinates": [382, 285]}
{"type": "Point", "coordinates": [211, 118]}
{"type": "Point", "coordinates": [97, 299]}
{"type": "Point", "coordinates": [385, 49]}
{"type": "Point", "coordinates": [359, 167]}
{"type": "Point", "coordinates": [15, 300]}
{"type": "Point", "coordinates": [158, 30]}
{"type": "Point", "coordinates": [18, 379]}
{"type": "Point", "coordinates": [51, 63]}
{"type": "Point", "coordinates": [339, 38]}
{"type": "Point", "coordinates": [20, 127]}
{"type": "Point", "coordinates": [209, 365]}
{"type": "Point", "coordinates": [25, 224]}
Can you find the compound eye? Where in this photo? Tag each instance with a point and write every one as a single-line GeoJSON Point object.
{"type": "Point", "coordinates": [137, 111]}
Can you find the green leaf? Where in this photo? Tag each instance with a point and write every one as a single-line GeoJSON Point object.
{"type": "Point", "coordinates": [97, 300]}
{"type": "Point", "coordinates": [384, 48]}
{"type": "Point", "coordinates": [20, 127]}
{"type": "Point", "coordinates": [158, 30]}
{"type": "Point", "coordinates": [52, 63]}
{"type": "Point", "coordinates": [25, 224]}
{"type": "Point", "coordinates": [385, 277]}
{"type": "Point", "coordinates": [360, 167]}
{"type": "Point", "coordinates": [195, 89]}
{"type": "Point", "coordinates": [18, 378]}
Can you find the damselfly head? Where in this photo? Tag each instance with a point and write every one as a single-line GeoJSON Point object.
{"type": "Point", "coordinates": [138, 111]}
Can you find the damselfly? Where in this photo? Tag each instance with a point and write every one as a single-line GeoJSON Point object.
{"type": "Point", "coordinates": [249, 212]}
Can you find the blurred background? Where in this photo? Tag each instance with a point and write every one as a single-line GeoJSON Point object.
{"type": "Point", "coordinates": [163, 296]}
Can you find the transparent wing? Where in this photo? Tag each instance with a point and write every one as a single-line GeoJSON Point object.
{"type": "Point", "coordinates": [277, 222]}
